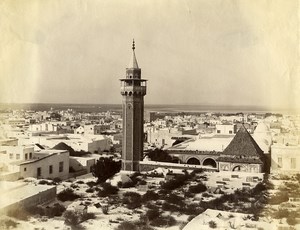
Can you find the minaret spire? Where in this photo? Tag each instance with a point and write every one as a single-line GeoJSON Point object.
{"type": "Point", "coordinates": [133, 62]}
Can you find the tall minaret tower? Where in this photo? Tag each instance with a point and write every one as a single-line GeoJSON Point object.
{"type": "Point", "coordinates": [133, 90]}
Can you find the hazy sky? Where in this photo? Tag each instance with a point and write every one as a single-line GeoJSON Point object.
{"type": "Point", "coordinates": [236, 52]}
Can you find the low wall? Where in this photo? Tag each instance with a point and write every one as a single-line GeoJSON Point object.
{"type": "Point", "coordinates": [10, 176]}
{"type": "Point", "coordinates": [151, 165]}
{"type": "Point", "coordinates": [37, 198]}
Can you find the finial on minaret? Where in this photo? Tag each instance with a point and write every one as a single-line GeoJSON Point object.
{"type": "Point", "coordinates": [133, 45]}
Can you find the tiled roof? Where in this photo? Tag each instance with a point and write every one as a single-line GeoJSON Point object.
{"type": "Point", "coordinates": [244, 145]}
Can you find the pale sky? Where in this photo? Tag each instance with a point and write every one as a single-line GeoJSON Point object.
{"type": "Point", "coordinates": [220, 52]}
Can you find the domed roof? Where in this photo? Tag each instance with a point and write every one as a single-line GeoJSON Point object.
{"type": "Point", "coordinates": [262, 128]}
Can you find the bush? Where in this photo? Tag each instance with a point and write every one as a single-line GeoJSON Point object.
{"type": "Point", "coordinates": [107, 189]}
{"type": "Point", "coordinates": [105, 168]}
{"type": "Point", "coordinates": [132, 200]}
{"type": "Point", "coordinates": [142, 182]}
{"type": "Point", "coordinates": [67, 195]}
{"type": "Point", "coordinates": [91, 183]}
{"type": "Point", "coordinates": [175, 183]}
{"type": "Point", "coordinates": [291, 220]}
{"type": "Point", "coordinates": [197, 188]}
{"type": "Point", "coordinates": [279, 198]}
{"type": "Point", "coordinates": [104, 209]}
{"type": "Point", "coordinates": [43, 182]}
{"type": "Point", "coordinates": [152, 214]}
{"type": "Point", "coordinates": [128, 184]}
{"type": "Point", "coordinates": [170, 207]}
{"type": "Point", "coordinates": [212, 224]}
{"type": "Point", "coordinates": [7, 223]}
{"type": "Point", "coordinates": [56, 210]}
{"type": "Point", "coordinates": [150, 195]}
{"type": "Point", "coordinates": [126, 225]}
{"type": "Point", "coordinates": [90, 190]}
{"type": "Point", "coordinates": [174, 199]}
{"type": "Point", "coordinates": [163, 221]}
{"type": "Point", "coordinates": [74, 218]}
{"type": "Point", "coordinates": [57, 180]}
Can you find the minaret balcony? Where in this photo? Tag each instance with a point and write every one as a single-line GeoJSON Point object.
{"type": "Point", "coordinates": [133, 90]}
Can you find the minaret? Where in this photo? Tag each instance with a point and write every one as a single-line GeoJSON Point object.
{"type": "Point", "coordinates": [133, 90]}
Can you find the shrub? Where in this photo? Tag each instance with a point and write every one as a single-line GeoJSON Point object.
{"type": "Point", "coordinates": [132, 200]}
{"type": "Point", "coordinates": [104, 209]}
{"type": "Point", "coordinates": [91, 183]}
{"type": "Point", "coordinates": [212, 224]}
{"type": "Point", "coordinates": [192, 209]}
{"type": "Point", "coordinates": [142, 182]}
{"type": "Point", "coordinates": [44, 182]}
{"type": "Point", "coordinates": [197, 188]}
{"type": "Point", "coordinates": [175, 183]}
{"type": "Point", "coordinates": [150, 195]}
{"type": "Point", "coordinates": [105, 168]}
{"type": "Point", "coordinates": [57, 180]}
{"type": "Point", "coordinates": [74, 218]}
{"type": "Point", "coordinates": [170, 207]}
{"type": "Point", "coordinates": [291, 220]}
{"type": "Point", "coordinates": [67, 195]}
{"type": "Point", "coordinates": [163, 221]}
{"type": "Point", "coordinates": [74, 186]}
{"type": "Point", "coordinates": [56, 210]}
{"type": "Point", "coordinates": [174, 199]}
{"type": "Point", "coordinates": [90, 190]}
{"type": "Point", "coordinates": [107, 189]}
{"type": "Point", "coordinates": [128, 184]}
{"type": "Point", "coordinates": [126, 225]}
{"type": "Point", "coordinates": [198, 171]}
{"type": "Point", "coordinates": [279, 198]}
{"type": "Point", "coordinates": [152, 214]}
{"type": "Point", "coordinates": [6, 223]}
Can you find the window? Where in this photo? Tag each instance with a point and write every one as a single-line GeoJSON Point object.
{"type": "Point", "coordinates": [61, 166]}
{"type": "Point", "coordinates": [26, 156]}
{"type": "Point", "coordinates": [39, 172]}
{"type": "Point", "coordinates": [11, 156]}
{"type": "Point", "coordinates": [279, 162]}
{"type": "Point", "coordinates": [17, 156]}
{"type": "Point", "coordinates": [25, 169]}
{"type": "Point", "coordinates": [50, 169]}
{"type": "Point", "coordinates": [30, 155]}
{"type": "Point", "coordinates": [293, 163]}
{"type": "Point", "coordinates": [230, 131]}
{"type": "Point", "coordinates": [218, 131]}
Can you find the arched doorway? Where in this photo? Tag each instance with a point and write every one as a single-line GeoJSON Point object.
{"type": "Point", "coordinates": [210, 162]}
{"type": "Point", "coordinates": [193, 161]}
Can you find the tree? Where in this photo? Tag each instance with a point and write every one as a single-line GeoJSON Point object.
{"type": "Point", "coordinates": [105, 168]}
{"type": "Point", "coordinates": [161, 156]}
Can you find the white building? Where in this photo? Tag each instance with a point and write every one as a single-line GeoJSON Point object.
{"type": "Point", "coordinates": [226, 129]}
{"type": "Point", "coordinates": [285, 158]}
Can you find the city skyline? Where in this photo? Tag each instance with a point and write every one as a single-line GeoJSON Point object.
{"type": "Point", "coordinates": [196, 52]}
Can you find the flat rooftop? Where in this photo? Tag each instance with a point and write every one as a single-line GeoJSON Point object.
{"type": "Point", "coordinates": [13, 192]}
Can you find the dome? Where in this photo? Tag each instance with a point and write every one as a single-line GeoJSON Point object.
{"type": "Point", "coordinates": [262, 128]}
